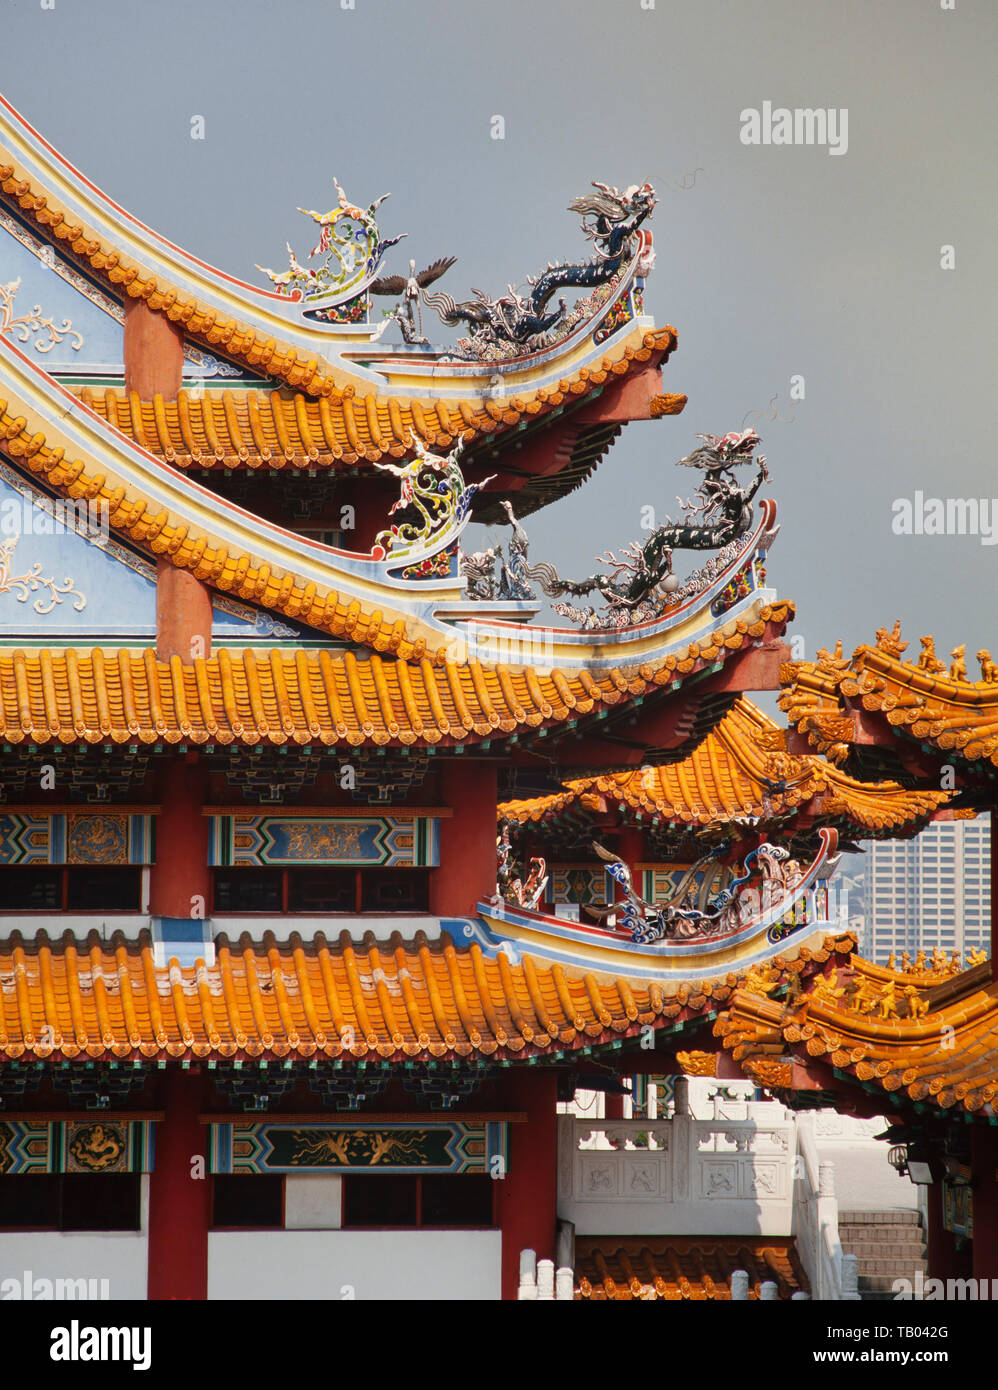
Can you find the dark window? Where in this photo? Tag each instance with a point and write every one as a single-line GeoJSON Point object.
{"type": "Point", "coordinates": [322, 890]}
{"type": "Point", "coordinates": [248, 890]}
{"type": "Point", "coordinates": [255, 1200]}
{"type": "Point", "coordinates": [71, 1202]}
{"type": "Point", "coordinates": [388, 1200]}
{"type": "Point", "coordinates": [104, 889]}
{"type": "Point", "coordinates": [31, 889]}
{"type": "Point", "coordinates": [29, 1202]}
{"type": "Point", "coordinates": [318, 890]}
{"type": "Point", "coordinates": [459, 1199]}
{"type": "Point", "coordinates": [77, 888]}
{"type": "Point", "coordinates": [440, 1199]}
{"type": "Point", "coordinates": [101, 1201]}
{"type": "Point", "coordinates": [395, 890]}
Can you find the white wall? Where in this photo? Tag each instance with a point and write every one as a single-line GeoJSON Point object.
{"type": "Point", "coordinates": [121, 1257]}
{"type": "Point", "coordinates": [446, 1265]}
{"type": "Point", "coordinates": [313, 1201]}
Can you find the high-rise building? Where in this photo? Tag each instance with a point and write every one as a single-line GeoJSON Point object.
{"type": "Point", "coordinates": [929, 892]}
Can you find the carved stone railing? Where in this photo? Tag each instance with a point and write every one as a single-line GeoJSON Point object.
{"type": "Point", "coordinates": [831, 1273]}
{"type": "Point", "coordinates": [681, 1176]}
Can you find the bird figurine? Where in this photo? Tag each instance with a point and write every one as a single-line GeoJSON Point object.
{"type": "Point", "coordinates": [409, 288]}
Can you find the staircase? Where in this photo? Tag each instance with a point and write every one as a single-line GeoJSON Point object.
{"type": "Point", "coordinates": [888, 1245]}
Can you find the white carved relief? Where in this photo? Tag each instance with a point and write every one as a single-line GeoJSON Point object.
{"type": "Point", "coordinates": [718, 1178]}
{"type": "Point", "coordinates": [642, 1179]}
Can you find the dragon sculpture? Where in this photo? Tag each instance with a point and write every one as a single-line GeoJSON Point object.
{"type": "Point", "coordinates": [681, 920]}
{"type": "Point", "coordinates": [515, 321]}
{"type": "Point", "coordinates": [641, 584]}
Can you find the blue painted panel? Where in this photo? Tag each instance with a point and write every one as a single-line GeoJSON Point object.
{"type": "Point", "coordinates": [56, 579]}
{"type": "Point", "coordinates": [60, 292]}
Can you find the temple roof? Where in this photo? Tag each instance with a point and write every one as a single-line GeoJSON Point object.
{"type": "Point", "coordinates": [741, 770]}
{"type": "Point", "coordinates": [236, 428]}
{"type": "Point", "coordinates": [269, 333]}
{"type": "Point", "coordinates": [47, 433]}
{"type": "Point", "coordinates": [955, 717]}
{"type": "Point", "coordinates": [398, 1000]}
{"type": "Point", "coordinates": [625, 1268]}
{"type": "Point", "coordinates": [939, 1052]}
{"type": "Point", "coordinates": [299, 696]}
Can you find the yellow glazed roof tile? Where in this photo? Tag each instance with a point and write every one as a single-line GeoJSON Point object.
{"type": "Point", "coordinates": [96, 999]}
{"type": "Point", "coordinates": [741, 769]}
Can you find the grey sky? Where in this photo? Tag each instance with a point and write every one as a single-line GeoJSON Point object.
{"type": "Point", "coordinates": [779, 261]}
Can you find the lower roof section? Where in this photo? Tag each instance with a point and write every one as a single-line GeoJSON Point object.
{"type": "Point", "coordinates": [622, 1269]}
{"type": "Point", "coordinates": [395, 1000]}
{"type": "Point", "coordinates": [926, 1037]}
{"type": "Point", "coordinates": [299, 697]}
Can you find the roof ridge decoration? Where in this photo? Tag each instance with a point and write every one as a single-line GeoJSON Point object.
{"type": "Point", "coordinates": [349, 235]}
{"type": "Point", "coordinates": [409, 613]}
{"type": "Point", "coordinates": [920, 1037]}
{"type": "Point", "coordinates": [744, 924]}
{"type": "Point", "coordinates": [919, 698]}
{"type": "Point", "coordinates": [642, 584]}
{"type": "Point", "coordinates": [271, 333]}
{"type": "Point", "coordinates": [504, 328]}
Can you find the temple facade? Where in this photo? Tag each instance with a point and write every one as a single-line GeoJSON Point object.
{"type": "Point", "coordinates": [333, 865]}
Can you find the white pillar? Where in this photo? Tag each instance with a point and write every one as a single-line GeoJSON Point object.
{"type": "Point", "coordinates": [739, 1286]}
{"type": "Point", "coordinates": [768, 1292]}
{"type": "Point", "coordinates": [850, 1279]}
{"type": "Point", "coordinates": [564, 1285]}
{"type": "Point", "coordinates": [800, 1296]}
{"type": "Point", "coordinates": [545, 1281]}
{"type": "Point", "coordinates": [527, 1291]}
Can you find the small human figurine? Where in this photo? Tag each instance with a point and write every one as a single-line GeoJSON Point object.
{"type": "Point", "coordinates": [833, 661]}
{"type": "Point", "coordinates": [890, 642]}
{"type": "Point", "coordinates": [958, 669]}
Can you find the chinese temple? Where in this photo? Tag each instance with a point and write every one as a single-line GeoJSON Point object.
{"type": "Point", "coordinates": [336, 857]}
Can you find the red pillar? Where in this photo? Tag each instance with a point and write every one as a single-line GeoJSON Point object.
{"type": "Point", "coordinates": [527, 1198]}
{"type": "Point", "coordinates": [154, 366]}
{"type": "Point", "coordinates": [467, 871]}
{"type": "Point", "coordinates": [613, 1106]}
{"type": "Point", "coordinates": [183, 615]}
{"type": "Point", "coordinates": [944, 1260]}
{"type": "Point", "coordinates": [983, 1162]}
{"type": "Point", "coordinates": [153, 351]}
{"type": "Point", "coordinates": [179, 879]}
{"type": "Point", "coordinates": [179, 1199]}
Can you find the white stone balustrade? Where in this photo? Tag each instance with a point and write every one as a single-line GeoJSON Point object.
{"type": "Point", "coordinates": [682, 1176]}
